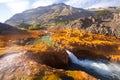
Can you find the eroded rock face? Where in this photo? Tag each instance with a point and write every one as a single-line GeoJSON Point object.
{"type": "Point", "coordinates": [108, 26]}
{"type": "Point", "coordinates": [54, 59]}
{"type": "Point", "coordinates": [24, 65]}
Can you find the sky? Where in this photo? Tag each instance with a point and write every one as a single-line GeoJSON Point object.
{"type": "Point", "coordinates": [10, 7]}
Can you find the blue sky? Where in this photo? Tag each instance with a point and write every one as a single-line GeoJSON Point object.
{"type": "Point", "coordinates": [10, 7]}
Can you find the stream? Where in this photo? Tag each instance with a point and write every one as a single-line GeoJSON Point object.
{"type": "Point", "coordinates": [101, 69]}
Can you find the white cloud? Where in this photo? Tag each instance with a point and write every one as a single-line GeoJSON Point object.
{"type": "Point", "coordinates": [4, 1]}
{"type": "Point", "coordinates": [106, 3]}
{"type": "Point", "coordinates": [93, 3]}
{"type": "Point", "coordinates": [16, 6]}
{"type": "Point", "coordinates": [46, 2]}
{"type": "Point", "coordinates": [43, 3]}
{"type": "Point", "coordinates": [78, 3]}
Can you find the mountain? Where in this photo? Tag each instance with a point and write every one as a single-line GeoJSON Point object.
{"type": "Point", "coordinates": [7, 29]}
{"type": "Point", "coordinates": [57, 16]}
{"type": "Point", "coordinates": [50, 15]}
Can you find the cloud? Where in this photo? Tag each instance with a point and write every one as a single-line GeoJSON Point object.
{"type": "Point", "coordinates": [78, 3]}
{"type": "Point", "coordinates": [16, 6]}
{"type": "Point", "coordinates": [92, 3]}
{"type": "Point", "coordinates": [46, 2]}
{"type": "Point", "coordinates": [106, 3]}
{"type": "Point", "coordinates": [4, 1]}
{"type": "Point", "coordinates": [42, 3]}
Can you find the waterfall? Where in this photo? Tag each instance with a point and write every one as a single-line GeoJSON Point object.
{"type": "Point", "coordinates": [99, 67]}
{"type": "Point", "coordinates": [73, 58]}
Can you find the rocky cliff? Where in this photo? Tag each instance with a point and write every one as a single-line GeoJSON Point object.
{"type": "Point", "coordinates": [108, 26]}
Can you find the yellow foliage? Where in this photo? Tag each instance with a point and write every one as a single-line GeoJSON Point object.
{"type": "Point", "coordinates": [65, 39]}
{"type": "Point", "coordinates": [71, 39]}
{"type": "Point", "coordinates": [78, 75]}
{"type": "Point", "coordinates": [51, 77]}
{"type": "Point", "coordinates": [37, 47]}
{"type": "Point", "coordinates": [3, 44]}
{"type": "Point", "coordinates": [78, 37]}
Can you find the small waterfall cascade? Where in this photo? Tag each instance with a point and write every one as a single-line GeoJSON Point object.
{"type": "Point", "coordinates": [102, 68]}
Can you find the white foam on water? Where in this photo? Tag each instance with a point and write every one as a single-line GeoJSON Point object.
{"type": "Point", "coordinates": [100, 67]}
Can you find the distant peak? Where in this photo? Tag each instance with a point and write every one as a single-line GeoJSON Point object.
{"type": "Point", "coordinates": [59, 4]}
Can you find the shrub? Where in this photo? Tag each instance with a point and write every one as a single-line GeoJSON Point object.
{"type": "Point", "coordinates": [51, 77]}
{"type": "Point", "coordinates": [45, 40]}
{"type": "Point", "coordinates": [34, 27]}
{"type": "Point", "coordinates": [103, 13]}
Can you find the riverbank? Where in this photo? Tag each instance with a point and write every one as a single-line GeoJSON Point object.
{"type": "Point", "coordinates": [48, 49]}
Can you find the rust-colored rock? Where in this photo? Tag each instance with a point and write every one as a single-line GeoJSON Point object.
{"type": "Point", "coordinates": [23, 65]}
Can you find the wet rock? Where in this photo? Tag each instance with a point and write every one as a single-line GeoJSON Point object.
{"type": "Point", "coordinates": [54, 59]}
{"type": "Point", "coordinates": [23, 65]}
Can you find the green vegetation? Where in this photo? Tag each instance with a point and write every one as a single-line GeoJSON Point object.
{"type": "Point", "coordinates": [45, 40]}
{"type": "Point", "coordinates": [34, 27]}
{"type": "Point", "coordinates": [48, 25]}
{"type": "Point", "coordinates": [115, 10]}
{"type": "Point", "coordinates": [103, 13]}
{"type": "Point", "coordinates": [23, 78]}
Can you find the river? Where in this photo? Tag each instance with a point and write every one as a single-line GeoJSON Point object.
{"type": "Point", "coordinates": [101, 69]}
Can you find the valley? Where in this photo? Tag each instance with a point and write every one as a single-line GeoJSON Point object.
{"type": "Point", "coordinates": [47, 49]}
{"type": "Point", "coordinates": [60, 42]}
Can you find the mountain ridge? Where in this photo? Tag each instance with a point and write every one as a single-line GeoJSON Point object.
{"type": "Point", "coordinates": [62, 16]}
{"type": "Point", "coordinates": [50, 14]}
